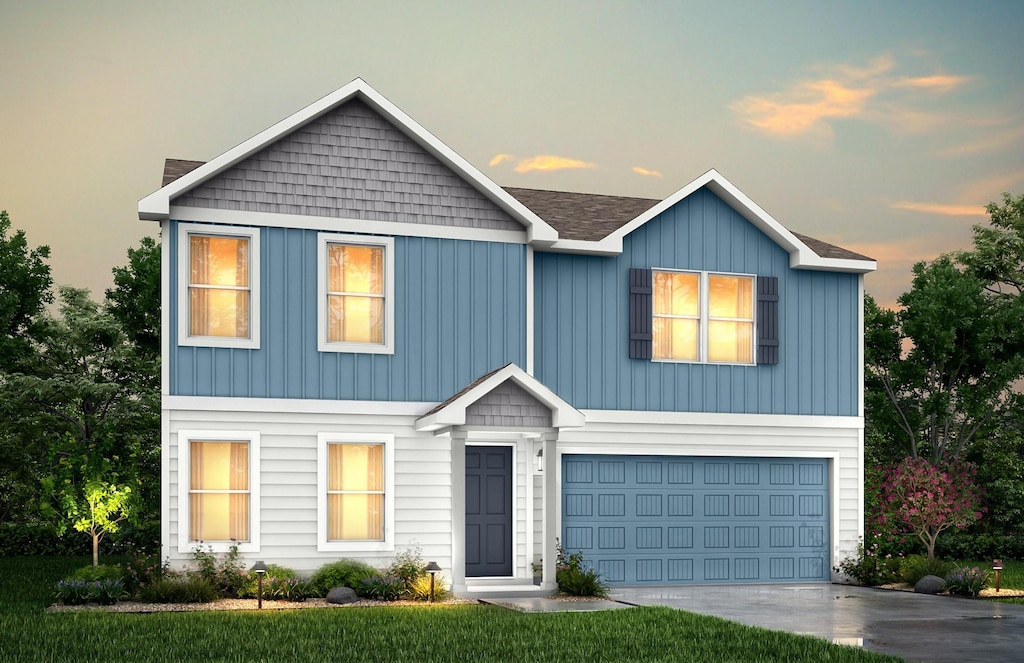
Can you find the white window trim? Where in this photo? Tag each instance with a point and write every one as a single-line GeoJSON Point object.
{"type": "Point", "coordinates": [322, 442]}
{"type": "Point", "coordinates": [388, 244]}
{"type": "Point", "coordinates": [705, 318]}
{"type": "Point", "coordinates": [184, 309]}
{"type": "Point", "coordinates": [185, 437]}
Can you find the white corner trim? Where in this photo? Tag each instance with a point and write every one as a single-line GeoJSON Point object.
{"type": "Point", "coordinates": [255, 286]}
{"type": "Point", "coordinates": [156, 206]}
{"type": "Point", "coordinates": [182, 439]}
{"type": "Point", "coordinates": [338, 224]}
{"type": "Point", "coordinates": [323, 440]}
{"type": "Point", "coordinates": [297, 405]}
{"type": "Point", "coordinates": [165, 308]}
{"type": "Point", "coordinates": [325, 345]}
{"type": "Point", "coordinates": [529, 310]}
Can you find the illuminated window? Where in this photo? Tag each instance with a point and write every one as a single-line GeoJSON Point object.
{"type": "Point", "coordinates": [218, 500]}
{"type": "Point", "coordinates": [701, 317]}
{"type": "Point", "coordinates": [219, 305]}
{"type": "Point", "coordinates": [356, 309]}
{"type": "Point", "coordinates": [355, 479]}
{"type": "Point", "coordinates": [355, 492]}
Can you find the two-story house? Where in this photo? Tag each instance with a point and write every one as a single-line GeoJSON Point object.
{"type": "Point", "coordinates": [369, 345]}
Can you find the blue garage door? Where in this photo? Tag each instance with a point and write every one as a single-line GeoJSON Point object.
{"type": "Point", "coordinates": [695, 520]}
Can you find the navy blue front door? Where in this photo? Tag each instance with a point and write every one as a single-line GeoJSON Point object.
{"type": "Point", "coordinates": [488, 511]}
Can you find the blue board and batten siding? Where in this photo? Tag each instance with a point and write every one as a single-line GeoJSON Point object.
{"type": "Point", "coordinates": [582, 334]}
{"type": "Point", "coordinates": [459, 313]}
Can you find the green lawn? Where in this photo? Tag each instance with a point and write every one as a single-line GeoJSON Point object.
{"type": "Point", "coordinates": [462, 633]}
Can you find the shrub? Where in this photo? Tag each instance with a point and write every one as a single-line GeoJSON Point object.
{"type": "Point", "coordinates": [384, 587]}
{"type": "Point", "coordinates": [420, 589]}
{"type": "Point", "coordinates": [95, 573]}
{"type": "Point", "coordinates": [174, 588]}
{"type": "Point", "coordinates": [141, 568]}
{"type": "Point", "coordinates": [225, 574]}
{"type": "Point", "coordinates": [967, 581]}
{"type": "Point", "coordinates": [915, 567]}
{"type": "Point", "coordinates": [288, 589]}
{"type": "Point", "coordinates": [574, 577]}
{"type": "Point", "coordinates": [870, 567]}
{"type": "Point", "coordinates": [343, 573]}
{"type": "Point", "coordinates": [74, 591]}
{"type": "Point", "coordinates": [247, 590]}
{"type": "Point", "coordinates": [409, 566]}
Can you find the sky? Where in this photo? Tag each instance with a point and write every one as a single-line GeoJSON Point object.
{"type": "Point", "coordinates": [883, 127]}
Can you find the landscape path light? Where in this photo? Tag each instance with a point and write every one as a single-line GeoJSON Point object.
{"type": "Point", "coordinates": [997, 566]}
{"type": "Point", "coordinates": [432, 568]}
{"type": "Point", "coordinates": [259, 568]}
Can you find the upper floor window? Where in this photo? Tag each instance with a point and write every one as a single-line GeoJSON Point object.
{"type": "Point", "coordinates": [355, 294]}
{"type": "Point", "coordinates": [218, 284]}
{"type": "Point", "coordinates": [703, 317]}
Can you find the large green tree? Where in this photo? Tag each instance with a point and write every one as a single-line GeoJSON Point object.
{"type": "Point", "coordinates": [90, 398]}
{"type": "Point", "coordinates": [134, 301]}
{"type": "Point", "coordinates": [942, 367]}
{"type": "Point", "coordinates": [998, 254]}
{"type": "Point", "coordinates": [25, 283]}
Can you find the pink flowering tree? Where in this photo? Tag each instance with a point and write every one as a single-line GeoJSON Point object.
{"type": "Point", "coordinates": [926, 500]}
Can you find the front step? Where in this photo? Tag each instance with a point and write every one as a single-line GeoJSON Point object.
{"type": "Point", "coordinates": [487, 588]}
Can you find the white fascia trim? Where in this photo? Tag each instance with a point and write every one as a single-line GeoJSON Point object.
{"type": "Point", "coordinates": [185, 545]}
{"type": "Point", "coordinates": [323, 440]}
{"type": "Point", "coordinates": [156, 206]}
{"type": "Point", "coordinates": [563, 415]}
{"type": "Point", "coordinates": [332, 224]}
{"type": "Point", "coordinates": [255, 287]}
{"type": "Point", "coordinates": [297, 406]}
{"type": "Point", "coordinates": [640, 417]}
{"type": "Point", "coordinates": [801, 255]}
{"type": "Point", "coordinates": [325, 345]}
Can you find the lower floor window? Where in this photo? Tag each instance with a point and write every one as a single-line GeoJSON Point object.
{"type": "Point", "coordinates": [218, 503]}
{"type": "Point", "coordinates": [355, 492]}
{"type": "Point", "coordinates": [356, 505]}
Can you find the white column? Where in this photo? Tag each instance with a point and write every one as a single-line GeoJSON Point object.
{"type": "Point", "coordinates": [552, 504]}
{"type": "Point", "coordinates": [458, 569]}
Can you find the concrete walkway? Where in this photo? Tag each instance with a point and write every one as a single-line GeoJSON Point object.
{"type": "Point", "coordinates": [547, 604]}
{"type": "Point", "coordinates": [915, 627]}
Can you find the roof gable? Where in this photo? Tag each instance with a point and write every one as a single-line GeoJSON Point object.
{"type": "Point", "coordinates": [803, 251]}
{"type": "Point", "coordinates": [456, 410]}
{"type": "Point", "coordinates": [156, 206]}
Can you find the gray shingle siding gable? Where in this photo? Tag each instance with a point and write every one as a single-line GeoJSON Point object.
{"type": "Point", "coordinates": [350, 163]}
{"type": "Point", "coordinates": [508, 404]}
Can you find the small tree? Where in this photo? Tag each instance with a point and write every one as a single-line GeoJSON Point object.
{"type": "Point", "coordinates": [106, 506]}
{"type": "Point", "coordinates": [927, 500]}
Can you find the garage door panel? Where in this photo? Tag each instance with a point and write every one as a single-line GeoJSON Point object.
{"type": "Point", "coordinates": [652, 519]}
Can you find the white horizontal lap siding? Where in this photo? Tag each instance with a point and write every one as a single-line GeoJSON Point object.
{"type": "Point", "coordinates": [288, 482]}
{"type": "Point", "coordinates": [836, 439]}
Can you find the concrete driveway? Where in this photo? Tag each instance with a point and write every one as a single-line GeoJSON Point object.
{"type": "Point", "coordinates": [915, 627]}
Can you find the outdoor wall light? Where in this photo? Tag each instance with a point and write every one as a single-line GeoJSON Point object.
{"type": "Point", "coordinates": [259, 568]}
{"type": "Point", "coordinates": [432, 568]}
{"type": "Point", "coordinates": [997, 566]}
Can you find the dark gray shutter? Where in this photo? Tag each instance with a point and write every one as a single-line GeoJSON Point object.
{"type": "Point", "coordinates": [767, 320]}
{"type": "Point", "coordinates": [641, 313]}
